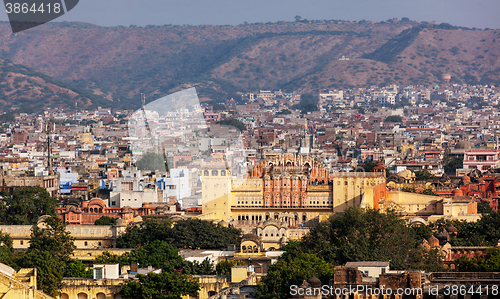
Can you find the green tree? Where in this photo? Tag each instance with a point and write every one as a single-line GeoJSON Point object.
{"type": "Point", "coordinates": [157, 254]}
{"type": "Point", "coordinates": [149, 231]}
{"type": "Point", "coordinates": [489, 228]}
{"type": "Point", "coordinates": [201, 234]}
{"type": "Point", "coordinates": [469, 233]}
{"type": "Point", "coordinates": [206, 267]}
{"type": "Point", "coordinates": [6, 250]}
{"type": "Point", "coordinates": [77, 269]}
{"type": "Point", "coordinates": [489, 262]}
{"type": "Point", "coordinates": [25, 205]}
{"type": "Point", "coordinates": [110, 258]}
{"type": "Point", "coordinates": [160, 286]}
{"type": "Point", "coordinates": [424, 175]}
{"type": "Point", "coordinates": [51, 236]}
{"type": "Point", "coordinates": [50, 270]}
{"type": "Point", "coordinates": [362, 235]}
{"type": "Point", "coordinates": [369, 167]}
{"type": "Point", "coordinates": [423, 232]}
{"type": "Point", "coordinates": [224, 267]}
{"type": "Point", "coordinates": [152, 161]}
{"type": "Point", "coordinates": [286, 272]}
{"type": "Point", "coordinates": [484, 207]}
{"type": "Point", "coordinates": [308, 103]}
{"type": "Point", "coordinates": [284, 112]}
{"type": "Point", "coordinates": [452, 165]}
{"type": "Point", "coordinates": [187, 234]}
{"type": "Point", "coordinates": [393, 119]}
{"type": "Point", "coordinates": [233, 122]}
{"type": "Point", "coordinates": [106, 220]}
{"type": "Point", "coordinates": [423, 259]}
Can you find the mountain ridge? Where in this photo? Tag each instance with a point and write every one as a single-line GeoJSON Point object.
{"type": "Point", "coordinates": [119, 63]}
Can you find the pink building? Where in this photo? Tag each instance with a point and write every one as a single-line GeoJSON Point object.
{"type": "Point", "coordinates": [481, 159]}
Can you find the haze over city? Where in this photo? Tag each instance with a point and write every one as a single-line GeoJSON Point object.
{"type": "Point", "coordinates": [480, 13]}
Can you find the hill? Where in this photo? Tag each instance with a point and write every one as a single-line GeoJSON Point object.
{"type": "Point", "coordinates": [118, 63]}
{"type": "Point", "coordinates": [24, 90]}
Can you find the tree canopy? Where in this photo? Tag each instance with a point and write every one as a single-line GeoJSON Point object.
{"type": "Point", "coordinates": [233, 122]}
{"type": "Point", "coordinates": [201, 234]}
{"type": "Point", "coordinates": [52, 237]}
{"type": "Point", "coordinates": [50, 270]}
{"type": "Point", "coordinates": [49, 252]}
{"type": "Point", "coordinates": [293, 271]}
{"type": "Point", "coordinates": [489, 262]}
{"type": "Point", "coordinates": [452, 165]}
{"type": "Point", "coordinates": [484, 207]}
{"type": "Point", "coordinates": [424, 175]}
{"type": "Point", "coordinates": [186, 234]}
{"type": "Point", "coordinates": [77, 269]}
{"type": "Point", "coordinates": [363, 235]}
{"type": "Point", "coordinates": [105, 220]}
{"type": "Point", "coordinates": [25, 205]}
{"type": "Point", "coordinates": [152, 161]}
{"type": "Point", "coordinates": [393, 119]}
{"type": "Point", "coordinates": [159, 254]}
{"type": "Point", "coordinates": [160, 286]}
{"type": "Point", "coordinates": [308, 103]}
{"type": "Point", "coordinates": [355, 235]}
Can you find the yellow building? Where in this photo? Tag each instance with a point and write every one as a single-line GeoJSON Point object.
{"type": "Point", "coordinates": [291, 188]}
{"type": "Point", "coordinates": [430, 208]}
{"type": "Point", "coordinates": [20, 284]}
{"type": "Point", "coordinates": [284, 195]}
{"type": "Point", "coordinates": [86, 138]}
{"type": "Point", "coordinates": [84, 288]}
{"type": "Point", "coordinates": [87, 237]}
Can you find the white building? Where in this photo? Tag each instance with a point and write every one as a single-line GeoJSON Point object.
{"type": "Point", "coordinates": [177, 184]}
{"type": "Point", "coordinates": [386, 98]}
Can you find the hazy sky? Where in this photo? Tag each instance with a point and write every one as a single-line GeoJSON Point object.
{"type": "Point", "coordinates": [469, 13]}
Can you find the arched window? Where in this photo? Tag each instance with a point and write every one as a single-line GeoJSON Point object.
{"type": "Point", "coordinates": [205, 173]}
{"type": "Point", "coordinates": [215, 172]}
{"type": "Point", "coordinates": [223, 173]}
{"type": "Point", "coordinates": [244, 249]}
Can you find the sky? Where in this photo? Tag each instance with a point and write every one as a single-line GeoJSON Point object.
{"type": "Point", "coordinates": [468, 13]}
